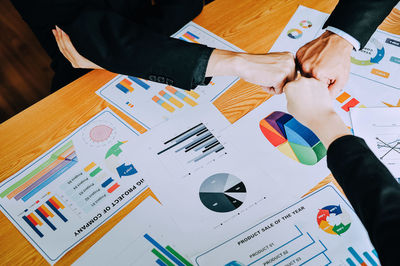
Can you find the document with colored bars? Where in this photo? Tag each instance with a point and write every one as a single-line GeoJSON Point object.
{"type": "Point", "coordinates": [320, 229]}
{"type": "Point", "coordinates": [73, 188]}
{"type": "Point", "coordinates": [151, 103]}
{"type": "Point", "coordinates": [374, 79]}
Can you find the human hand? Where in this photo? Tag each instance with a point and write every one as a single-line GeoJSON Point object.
{"type": "Point", "coordinates": [327, 59]}
{"type": "Point", "coordinates": [309, 101]}
{"type": "Point", "coordinates": [271, 71]}
{"type": "Point", "coordinates": [70, 53]}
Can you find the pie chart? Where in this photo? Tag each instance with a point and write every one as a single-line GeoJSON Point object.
{"type": "Point", "coordinates": [294, 33]}
{"type": "Point", "coordinates": [222, 192]}
{"type": "Point", "coordinates": [292, 138]}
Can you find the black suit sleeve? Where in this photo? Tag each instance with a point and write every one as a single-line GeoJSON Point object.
{"type": "Point", "coordinates": [372, 190]}
{"type": "Point", "coordinates": [123, 46]}
{"type": "Point", "coordinates": [360, 18]}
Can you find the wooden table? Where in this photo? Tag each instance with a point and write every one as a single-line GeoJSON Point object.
{"type": "Point", "coordinates": [252, 25]}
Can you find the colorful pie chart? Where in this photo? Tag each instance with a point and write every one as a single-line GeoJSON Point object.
{"type": "Point", "coordinates": [326, 216]}
{"type": "Point", "coordinates": [295, 33]}
{"type": "Point", "coordinates": [305, 24]}
{"type": "Point", "coordinates": [292, 138]}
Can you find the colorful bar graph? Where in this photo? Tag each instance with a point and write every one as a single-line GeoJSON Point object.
{"type": "Point", "coordinates": [55, 205]}
{"type": "Point", "coordinates": [181, 96]}
{"type": "Point", "coordinates": [168, 252]}
{"type": "Point", "coordinates": [140, 82]}
{"type": "Point", "coordinates": [56, 158]}
{"type": "Point", "coordinates": [352, 103]}
{"type": "Point", "coordinates": [41, 183]}
{"type": "Point", "coordinates": [343, 97]}
{"type": "Point", "coordinates": [165, 105]}
{"type": "Point", "coordinates": [171, 99]}
{"type": "Point", "coordinates": [190, 37]}
{"type": "Point", "coordinates": [112, 188]}
{"type": "Point", "coordinates": [125, 86]}
{"type": "Point", "coordinates": [32, 225]}
{"type": "Point", "coordinates": [357, 257]}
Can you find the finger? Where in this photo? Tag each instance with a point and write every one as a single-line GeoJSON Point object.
{"type": "Point", "coordinates": [59, 43]}
{"type": "Point", "coordinates": [68, 46]}
{"type": "Point", "coordinates": [67, 53]}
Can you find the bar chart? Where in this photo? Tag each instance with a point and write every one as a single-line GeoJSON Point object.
{"type": "Point", "coordinates": [58, 163]}
{"type": "Point", "coordinates": [194, 144]}
{"type": "Point", "coordinates": [46, 215]}
{"type": "Point", "coordinates": [166, 255]}
{"type": "Point", "coordinates": [359, 258]}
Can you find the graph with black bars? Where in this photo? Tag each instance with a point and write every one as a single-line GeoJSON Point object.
{"type": "Point", "coordinates": [193, 145]}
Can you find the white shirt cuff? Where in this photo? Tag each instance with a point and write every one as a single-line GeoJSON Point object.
{"type": "Point", "coordinates": [346, 36]}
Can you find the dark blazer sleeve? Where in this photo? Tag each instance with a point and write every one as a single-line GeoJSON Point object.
{"type": "Point", "coordinates": [360, 18]}
{"type": "Point", "coordinates": [123, 46]}
{"type": "Point", "coordinates": [372, 190]}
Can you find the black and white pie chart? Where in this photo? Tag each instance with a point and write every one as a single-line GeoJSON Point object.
{"type": "Point", "coordinates": [222, 192]}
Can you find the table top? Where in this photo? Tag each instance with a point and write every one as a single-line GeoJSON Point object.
{"type": "Point", "coordinates": [252, 25]}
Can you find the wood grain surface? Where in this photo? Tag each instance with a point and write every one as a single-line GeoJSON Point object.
{"type": "Point", "coordinates": [253, 25]}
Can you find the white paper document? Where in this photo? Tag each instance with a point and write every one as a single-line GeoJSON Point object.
{"type": "Point", "coordinates": [146, 236]}
{"type": "Point", "coordinates": [283, 150]}
{"type": "Point", "coordinates": [209, 188]}
{"type": "Point", "coordinates": [380, 128]}
{"type": "Point", "coordinates": [72, 189]}
{"type": "Point", "coordinates": [321, 229]}
{"type": "Point", "coordinates": [374, 79]}
{"type": "Point", "coordinates": [151, 103]}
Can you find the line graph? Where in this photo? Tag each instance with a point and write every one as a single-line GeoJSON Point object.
{"type": "Point", "coordinates": [388, 147]}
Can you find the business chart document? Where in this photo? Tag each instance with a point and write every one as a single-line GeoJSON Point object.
{"type": "Point", "coordinates": [209, 188]}
{"type": "Point", "coordinates": [380, 128]}
{"type": "Point", "coordinates": [73, 188]}
{"type": "Point", "coordinates": [373, 80]}
{"type": "Point", "coordinates": [280, 146]}
{"type": "Point", "coordinates": [151, 103]}
{"type": "Point", "coordinates": [321, 229]}
{"type": "Point", "coordinates": [147, 236]}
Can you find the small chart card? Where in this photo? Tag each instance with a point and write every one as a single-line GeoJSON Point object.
{"type": "Point", "coordinates": [72, 189]}
{"type": "Point", "coordinates": [380, 128]}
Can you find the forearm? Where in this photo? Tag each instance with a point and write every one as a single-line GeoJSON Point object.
{"type": "Point", "coordinates": [122, 46]}
{"type": "Point", "coordinates": [370, 188]}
